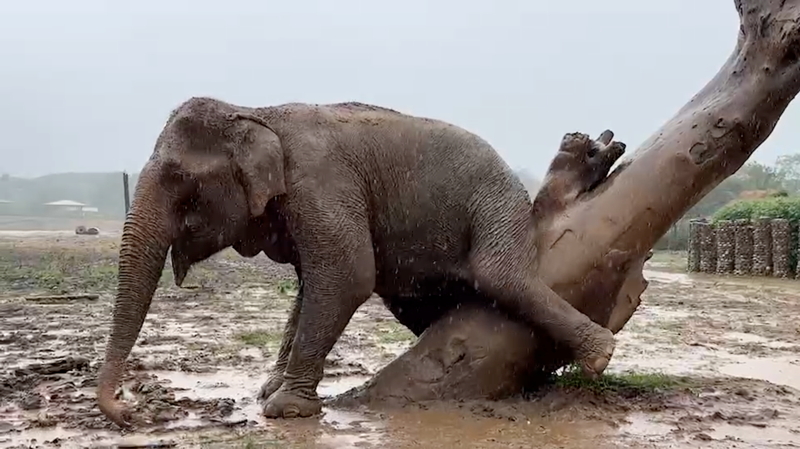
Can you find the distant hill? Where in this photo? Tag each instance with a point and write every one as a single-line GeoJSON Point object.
{"type": "Point", "coordinates": [103, 191]}
{"type": "Point", "coordinates": [100, 190]}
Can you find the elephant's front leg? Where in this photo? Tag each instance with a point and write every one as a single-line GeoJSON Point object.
{"type": "Point", "coordinates": [336, 281]}
{"type": "Point", "coordinates": [290, 330]}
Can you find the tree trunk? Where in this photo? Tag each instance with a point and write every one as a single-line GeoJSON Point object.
{"type": "Point", "coordinates": [595, 237]}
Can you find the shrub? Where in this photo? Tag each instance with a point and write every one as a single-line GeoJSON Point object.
{"type": "Point", "coordinates": [771, 207]}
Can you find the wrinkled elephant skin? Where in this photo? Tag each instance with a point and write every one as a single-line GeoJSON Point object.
{"type": "Point", "coordinates": [360, 199]}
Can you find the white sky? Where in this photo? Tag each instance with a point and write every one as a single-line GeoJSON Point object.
{"type": "Point", "coordinates": [98, 78]}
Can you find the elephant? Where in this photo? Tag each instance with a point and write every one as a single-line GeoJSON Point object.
{"type": "Point", "coordinates": [362, 200]}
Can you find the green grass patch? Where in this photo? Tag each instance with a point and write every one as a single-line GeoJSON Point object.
{"type": "Point", "coordinates": [391, 332]}
{"type": "Point", "coordinates": [56, 270]}
{"type": "Point", "coordinates": [629, 383]}
{"type": "Point", "coordinates": [287, 287]}
{"type": "Point", "coordinates": [260, 338]}
{"type": "Point", "coordinates": [72, 269]}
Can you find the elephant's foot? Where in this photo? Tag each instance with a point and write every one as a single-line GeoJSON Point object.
{"type": "Point", "coordinates": [270, 386]}
{"type": "Point", "coordinates": [597, 351]}
{"type": "Point", "coordinates": [286, 404]}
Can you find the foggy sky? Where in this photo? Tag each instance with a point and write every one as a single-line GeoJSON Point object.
{"type": "Point", "coordinates": [99, 78]}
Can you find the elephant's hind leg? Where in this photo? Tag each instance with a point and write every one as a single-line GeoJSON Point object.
{"type": "Point", "coordinates": [502, 265]}
{"type": "Point", "coordinates": [338, 270]}
{"type": "Point", "coordinates": [520, 292]}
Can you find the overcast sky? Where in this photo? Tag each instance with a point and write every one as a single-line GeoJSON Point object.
{"type": "Point", "coordinates": [86, 85]}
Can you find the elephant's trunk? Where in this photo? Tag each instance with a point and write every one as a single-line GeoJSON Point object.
{"type": "Point", "coordinates": [146, 237]}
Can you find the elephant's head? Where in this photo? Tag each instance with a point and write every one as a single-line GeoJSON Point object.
{"type": "Point", "coordinates": [214, 168]}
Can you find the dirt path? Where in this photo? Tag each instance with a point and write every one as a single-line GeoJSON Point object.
{"type": "Point", "coordinates": [203, 354]}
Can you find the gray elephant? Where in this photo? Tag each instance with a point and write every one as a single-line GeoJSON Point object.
{"type": "Point", "coordinates": [360, 199]}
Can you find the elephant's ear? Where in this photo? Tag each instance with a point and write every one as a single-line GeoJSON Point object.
{"type": "Point", "coordinates": [260, 160]}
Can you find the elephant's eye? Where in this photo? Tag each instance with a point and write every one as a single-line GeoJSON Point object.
{"type": "Point", "coordinates": [192, 224]}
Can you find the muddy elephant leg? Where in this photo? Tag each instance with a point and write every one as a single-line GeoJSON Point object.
{"type": "Point", "coordinates": [289, 331]}
{"type": "Point", "coordinates": [513, 283]}
{"type": "Point", "coordinates": [338, 271]}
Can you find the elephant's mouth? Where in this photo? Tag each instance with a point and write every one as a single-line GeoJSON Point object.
{"type": "Point", "coordinates": [180, 266]}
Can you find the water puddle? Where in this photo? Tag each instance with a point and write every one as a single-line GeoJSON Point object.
{"type": "Point", "coordinates": [451, 428]}
{"type": "Point", "coordinates": [684, 360]}
{"type": "Point", "coordinates": [666, 277]}
{"type": "Point", "coordinates": [35, 437]}
{"type": "Point", "coordinates": [757, 436]}
{"type": "Point", "coordinates": [784, 372]}
{"type": "Point", "coordinates": [237, 385]}
{"type": "Point", "coordinates": [742, 337]}
{"type": "Point", "coordinates": [639, 424]}
{"type": "Point", "coordinates": [438, 426]}
{"type": "Point", "coordinates": [661, 313]}
{"type": "Point", "coordinates": [726, 282]}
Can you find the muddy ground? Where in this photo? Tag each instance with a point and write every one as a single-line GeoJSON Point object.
{"type": "Point", "coordinates": [706, 362]}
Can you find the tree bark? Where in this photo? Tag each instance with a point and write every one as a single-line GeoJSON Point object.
{"type": "Point", "coordinates": [596, 231]}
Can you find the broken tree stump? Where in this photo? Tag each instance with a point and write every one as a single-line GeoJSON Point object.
{"type": "Point", "coordinates": [595, 231]}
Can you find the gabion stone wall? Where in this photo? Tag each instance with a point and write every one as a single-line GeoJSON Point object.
{"type": "Point", "coordinates": [693, 253]}
{"type": "Point", "coordinates": [762, 247]}
{"type": "Point", "coordinates": [725, 246]}
{"type": "Point", "coordinates": [781, 246]}
{"type": "Point", "coordinates": [708, 249]}
{"type": "Point", "coordinates": [743, 237]}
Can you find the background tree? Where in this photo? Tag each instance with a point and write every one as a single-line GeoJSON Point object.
{"type": "Point", "coordinates": [788, 168]}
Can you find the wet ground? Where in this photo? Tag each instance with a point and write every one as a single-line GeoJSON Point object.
{"type": "Point", "coordinates": [705, 362]}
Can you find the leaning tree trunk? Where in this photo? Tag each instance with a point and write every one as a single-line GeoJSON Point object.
{"type": "Point", "coordinates": [593, 245]}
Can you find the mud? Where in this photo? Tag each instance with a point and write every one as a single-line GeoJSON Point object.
{"type": "Point", "coordinates": [728, 349]}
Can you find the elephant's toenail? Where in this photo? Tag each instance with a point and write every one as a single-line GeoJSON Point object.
{"type": "Point", "coordinates": [291, 412]}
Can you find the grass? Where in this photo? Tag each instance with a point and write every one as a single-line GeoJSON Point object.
{"type": "Point", "coordinates": [287, 287]}
{"type": "Point", "coordinates": [56, 270]}
{"type": "Point", "coordinates": [73, 269]}
{"type": "Point", "coordinates": [629, 383]}
{"type": "Point", "coordinates": [392, 332]}
{"type": "Point", "coordinates": [260, 338]}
